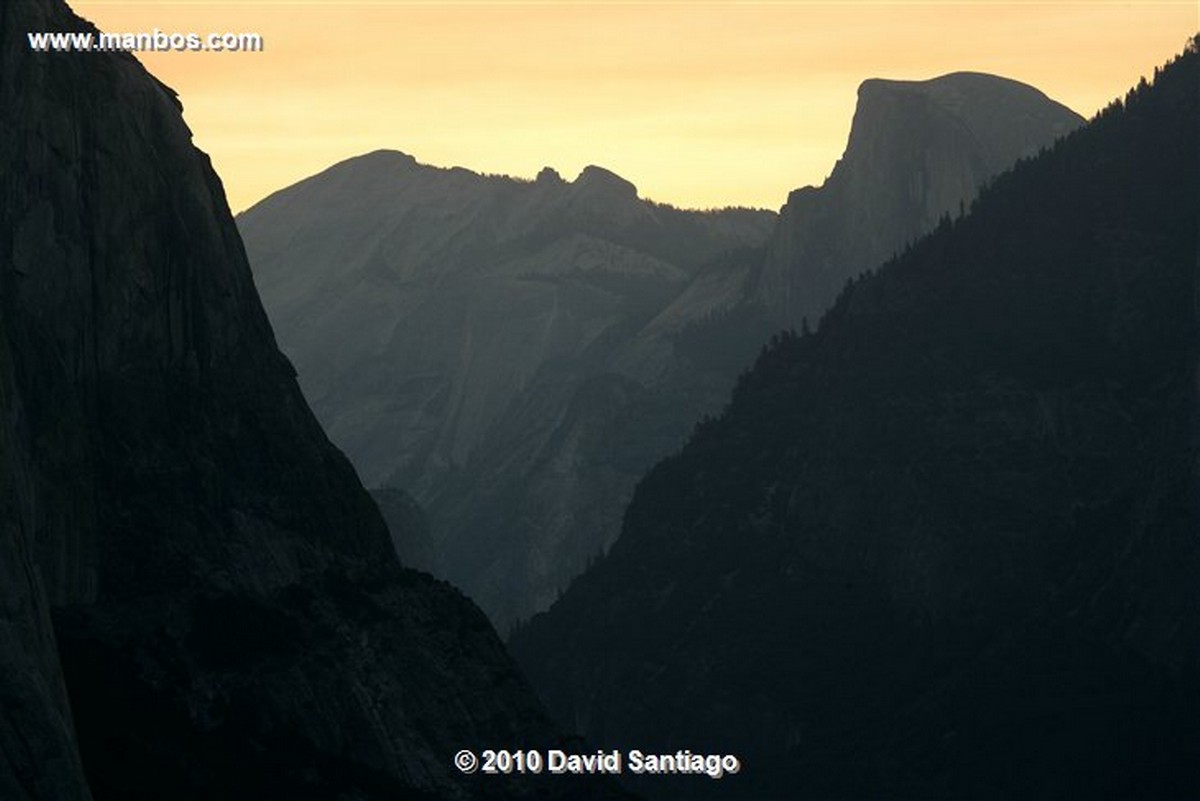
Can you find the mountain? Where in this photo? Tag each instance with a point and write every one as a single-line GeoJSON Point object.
{"type": "Point", "coordinates": [417, 302]}
{"type": "Point", "coordinates": [198, 600]}
{"type": "Point", "coordinates": [945, 546]}
{"type": "Point", "coordinates": [459, 336]}
{"type": "Point", "coordinates": [918, 150]}
{"type": "Point", "coordinates": [517, 354]}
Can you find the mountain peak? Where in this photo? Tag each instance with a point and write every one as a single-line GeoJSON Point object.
{"type": "Point", "coordinates": [386, 156]}
{"type": "Point", "coordinates": [963, 93]}
{"type": "Point", "coordinates": [917, 150]}
{"type": "Point", "coordinates": [963, 79]}
{"type": "Point", "coordinates": [1003, 115]}
{"type": "Point", "coordinates": [595, 178]}
{"type": "Point", "coordinates": [549, 175]}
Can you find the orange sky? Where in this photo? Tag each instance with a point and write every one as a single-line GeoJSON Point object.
{"type": "Point", "coordinates": [700, 104]}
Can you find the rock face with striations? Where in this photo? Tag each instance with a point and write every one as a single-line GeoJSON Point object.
{"type": "Point", "coordinates": [918, 150]}
{"type": "Point", "coordinates": [945, 546]}
{"type": "Point", "coordinates": [462, 338]}
{"type": "Point", "coordinates": [515, 354]}
{"type": "Point", "coordinates": [38, 753]}
{"type": "Point", "coordinates": [473, 282]}
{"type": "Point", "coordinates": [228, 612]}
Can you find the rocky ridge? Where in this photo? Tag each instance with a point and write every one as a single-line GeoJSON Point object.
{"type": "Point", "coordinates": [448, 329]}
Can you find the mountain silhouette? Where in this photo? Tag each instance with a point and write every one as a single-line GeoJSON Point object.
{"type": "Point", "coordinates": [517, 354]}
{"type": "Point", "coordinates": [944, 546]}
{"type": "Point", "coordinates": [917, 150]}
{"type": "Point", "coordinates": [459, 335]}
{"type": "Point", "coordinates": [198, 600]}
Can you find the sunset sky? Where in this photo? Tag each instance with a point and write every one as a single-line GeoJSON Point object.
{"type": "Point", "coordinates": [701, 104]}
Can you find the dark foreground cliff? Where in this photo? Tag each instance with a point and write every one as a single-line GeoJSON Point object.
{"type": "Point", "coordinates": [947, 546]}
{"type": "Point", "coordinates": [229, 618]}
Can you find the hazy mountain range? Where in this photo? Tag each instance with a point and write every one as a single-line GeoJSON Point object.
{"type": "Point", "coordinates": [516, 354]}
{"type": "Point", "coordinates": [460, 335]}
{"type": "Point", "coordinates": [945, 546]}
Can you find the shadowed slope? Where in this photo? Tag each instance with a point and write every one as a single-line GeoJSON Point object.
{"type": "Point", "coordinates": [946, 546]}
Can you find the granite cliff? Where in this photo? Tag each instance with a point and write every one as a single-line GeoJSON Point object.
{"type": "Point", "coordinates": [917, 150]}
{"type": "Point", "coordinates": [198, 600]}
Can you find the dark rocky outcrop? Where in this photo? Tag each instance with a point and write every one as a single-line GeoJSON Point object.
{"type": "Point", "coordinates": [918, 150]}
{"type": "Point", "coordinates": [228, 610]}
{"type": "Point", "coordinates": [945, 546]}
{"type": "Point", "coordinates": [38, 754]}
